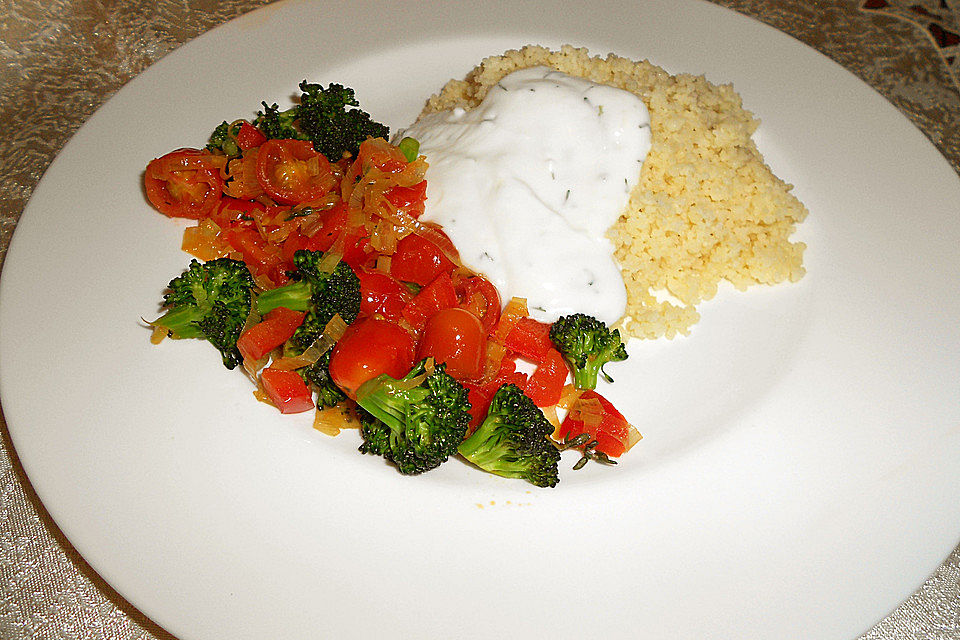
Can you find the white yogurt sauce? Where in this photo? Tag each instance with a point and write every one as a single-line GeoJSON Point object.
{"type": "Point", "coordinates": [527, 184]}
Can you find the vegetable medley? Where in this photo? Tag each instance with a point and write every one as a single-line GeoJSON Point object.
{"type": "Point", "coordinates": [316, 276]}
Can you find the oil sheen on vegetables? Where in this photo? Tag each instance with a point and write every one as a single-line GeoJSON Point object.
{"type": "Point", "coordinates": [528, 183]}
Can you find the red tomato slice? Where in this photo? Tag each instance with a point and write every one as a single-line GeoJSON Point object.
{"type": "Point", "coordinates": [382, 294]}
{"type": "Point", "coordinates": [367, 349]}
{"type": "Point", "coordinates": [292, 172]}
{"type": "Point", "coordinates": [418, 260]}
{"type": "Point", "coordinates": [287, 390]}
{"type": "Point", "coordinates": [268, 334]}
{"type": "Point", "coordinates": [184, 184]}
{"type": "Point", "coordinates": [454, 336]}
{"type": "Point", "coordinates": [439, 294]}
{"type": "Point", "coordinates": [611, 431]}
{"type": "Point", "coordinates": [546, 383]}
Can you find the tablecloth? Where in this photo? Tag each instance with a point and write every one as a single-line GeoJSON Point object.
{"type": "Point", "coordinates": [61, 59]}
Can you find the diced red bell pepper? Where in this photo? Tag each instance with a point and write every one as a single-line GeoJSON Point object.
{"type": "Point", "coordinates": [268, 334]}
{"type": "Point", "coordinates": [546, 383]}
{"type": "Point", "coordinates": [355, 251]}
{"type": "Point", "coordinates": [611, 430]}
{"type": "Point", "coordinates": [259, 257]}
{"type": "Point", "coordinates": [515, 309]}
{"type": "Point", "coordinates": [381, 293]}
{"type": "Point", "coordinates": [439, 294]}
{"type": "Point", "coordinates": [333, 224]}
{"type": "Point", "coordinates": [354, 255]}
{"type": "Point", "coordinates": [377, 152]}
{"type": "Point", "coordinates": [409, 199]}
{"type": "Point", "coordinates": [249, 136]}
{"type": "Point", "coordinates": [480, 395]}
{"type": "Point", "coordinates": [419, 260]}
{"type": "Point", "coordinates": [508, 374]}
{"type": "Point", "coordinates": [233, 212]}
{"type": "Point", "coordinates": [287, 390]}
{"type": "Point", "coordinates": [530, 338]}
{"type": "Point", "coordinates": [291, 244]}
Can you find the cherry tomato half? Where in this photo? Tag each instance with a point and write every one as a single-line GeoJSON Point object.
{"type": "Point", "coordinates": [293, 172]}
{"type": "Point", "coordinates": [454, 336]}
{"type": "Point", "coordinates": [367, 349]}
{"type": "Point", "coordinates": [183, 184]}
{"type": "Point", "coordinates": [482, 298]}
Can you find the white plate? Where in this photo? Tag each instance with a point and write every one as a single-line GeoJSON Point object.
{"type": "Point", "coordinates": [799, 475]}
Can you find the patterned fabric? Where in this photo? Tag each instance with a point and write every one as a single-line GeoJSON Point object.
{"type": "Point", "coordinates": [938, 19]}
{"type": "Point", "coordinates": [78, 53]}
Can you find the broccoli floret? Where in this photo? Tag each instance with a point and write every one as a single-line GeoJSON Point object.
{"type": "Point", "coordinates": [330, 118]}
{"type": "Point", "coordinates": [333, 128]}
{"type": "Point", "coordinates": [210, 301]}
{"type": "Point", "coordinates": [321, 294]}
{"type": "Point", "coordinates": [416, 427]}
{"type": "Point", "coordinates": [513, 440]}
{"type": "Point", "coordinates": [587, 345]}
{"type": "Point", "coordinates": [274, 123]}
{"type": "Point", "coordinates": [224, 138]}
{"type": "Point", "coordinates": [318, 375]}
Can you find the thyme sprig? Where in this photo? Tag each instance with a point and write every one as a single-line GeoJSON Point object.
{"type": "Point", "coordinates": [588, 449]}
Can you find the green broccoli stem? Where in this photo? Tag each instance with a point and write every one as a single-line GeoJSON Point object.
{"type": "Point", "coordinates": [586, 377]}
{"type": "Point", "coordinates": [410, 148]}
{"type": "Point", "coordinates": [182, 322]}
{"type": "Point", "coordinates": [480, 447]}
{"type": "Point", "coordinates": [387, 402]}
{"type": "Point", "coordinates": [294, 296]}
